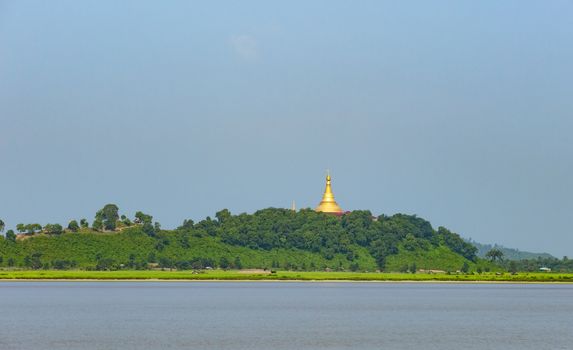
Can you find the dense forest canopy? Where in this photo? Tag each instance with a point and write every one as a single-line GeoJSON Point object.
{"type": "Point", "coordinates": [268, 238]}
{"type": "Point", "coordinates": [328, 234]}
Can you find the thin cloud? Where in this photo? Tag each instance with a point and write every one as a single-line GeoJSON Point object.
{"type": "Point", "coordinates": [246, 47]}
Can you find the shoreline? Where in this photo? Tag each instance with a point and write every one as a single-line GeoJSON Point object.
{"type": "Point", "coordinates": [155, 280]}
{"type": "Point", "coordinates": [278, 276]}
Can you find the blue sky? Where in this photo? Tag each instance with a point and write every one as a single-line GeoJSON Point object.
{"type": "Point", "coordinates": [457, 111]}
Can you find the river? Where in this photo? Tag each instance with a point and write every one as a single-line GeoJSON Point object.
{"type": "Point", "coordinates": [284, 315]}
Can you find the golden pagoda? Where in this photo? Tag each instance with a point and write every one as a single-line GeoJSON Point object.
{"type": "Point", "coordinates": [328, 203]}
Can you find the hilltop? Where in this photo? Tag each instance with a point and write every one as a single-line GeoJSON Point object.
{"type": "Point", "coordinates": [269, 238]}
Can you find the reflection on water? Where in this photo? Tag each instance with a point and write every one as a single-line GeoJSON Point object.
{"type": "Point", "coordinates": [266, 315]}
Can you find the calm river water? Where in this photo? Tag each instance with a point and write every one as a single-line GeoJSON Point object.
{"type": "Point", "coordinates": [265, 315]}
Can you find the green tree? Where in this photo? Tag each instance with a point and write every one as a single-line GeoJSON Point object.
{"type": "Point", "coordinates": [413, 268]}
{"type": "Point", "coordinates": [35, 228]}
{"type": "Point", "coordinates": [148, 229]}
{"type": "Point", "coordinates": [11, 236]}
{"type": "Point", "coordinates": [187, 225]}
{"type": "Point", "coordinates": [108, 215]}
{"type": "Point", "coordinates": [84, 223]}
{"type": "Point", "coordinates": [131, 262]}
{"type": "Point", "coordinates": [513, 267]}
{"type": "Point", "coordinates": [97, 225]}
{"type": "Point", "coordinates": [105, 264]}
{"type": "Point", "coordinates": [73, 226]}
{"type": "Point", "coordinates": [53, 229]}
{"type": "Point", "coordinates": [465, 267]}
{"type": "Point", "coordinates": [28, 229]}
{"type": "Point", "coordinates": [165, 262]}
{"type": "Point", "coordinates": [184, 240]}
{"type": "Point", "coordinates": [223, 215]}
{"type": "Point", "coordinates": [2, 225]}
{"type": "Point", "coordinates": [125, 220]}
{"type": "Point", "coordinates": [33, 261]}
{"type": "Point", "coordinates": [224, 263]}
{"type": "Point", "coordinates": [142, 218]}
{"type": "Point", "coordinates": [494, 254]}
{"type": "Point", "coordinates": [237, 264]}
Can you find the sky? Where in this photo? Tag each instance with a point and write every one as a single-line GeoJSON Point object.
{"type": "Point", "coordinates": [460, 112]}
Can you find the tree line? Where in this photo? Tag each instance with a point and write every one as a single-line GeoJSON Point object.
{"type": "Point", "coordinates": [266, 230]}
{"type": "Point", "coordinates": [326, 234]}
{"type": "Point", "coordinates": [107, 219]}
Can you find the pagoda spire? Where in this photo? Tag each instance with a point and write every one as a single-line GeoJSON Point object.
{"type": "Point", "coordinates": [328, 203]}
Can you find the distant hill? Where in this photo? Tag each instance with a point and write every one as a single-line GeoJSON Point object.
{"type": "Point", "coordinates": [508, 253]}
{"type": "Point", "coordinates": [269, 238]}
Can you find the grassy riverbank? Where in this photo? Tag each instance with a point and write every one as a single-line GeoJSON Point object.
{"type": "Point", "coordinates": [235, 275]}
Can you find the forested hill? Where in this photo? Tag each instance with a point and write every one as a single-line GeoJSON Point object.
{"type": "Point", "coordinates": [508, 253]}
{"type": "Point", "coordinates": [328, 235]}
{"type": "Point", "coordinates": [269, 238]}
